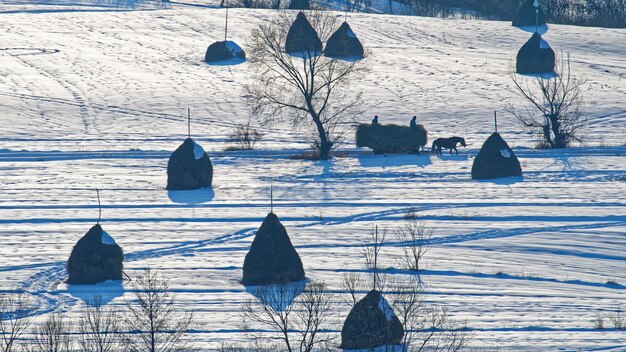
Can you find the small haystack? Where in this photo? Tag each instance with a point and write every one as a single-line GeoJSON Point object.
{"type": "Point", "coordinates": [272, 259]}
{"type": "Point", "coordinates": [535, 56]}
{"type": "Point", "coordinates": [222, 51]}
{"type": "Point", "coordinates": [189, 168]}
{"type": "Point", "coordinates": [391, 138]}
{"type": "Point", "coordinates": [302, 36]}
{"type": "Point", "coordinates": [95, 258]}
{"type": "Point", "coordinates": [526, 15]}
{"type": "Point", "coordinates": [370, 324]}
{"type": "Point", "coordinates": [344, 43]}
{"type": "Point", "coordinates": [495, 160]}
{"type": "Point", "coordinates": [299, 5]}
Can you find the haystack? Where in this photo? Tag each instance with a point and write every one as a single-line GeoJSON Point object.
{"type": "Point", "coordinates": [224, 50]}
{"type": "Point", "coordinates": [302, 36]}
{"type": "Point", "coordinates": [189, 167]}
{"type": "Point", "coordinates": [95, 258]}
{"type": "Point", "coordinates": [299, 5]}
{"type": "Point", "coordinates": [370, 324]}
{"type": "Point", "coordinates": [391, 138]}
{"type": "Point", "coordinates": [344, 43]}
{"type": "Point", "coordinates": [495, 160]}
{"type": "Point", "coordinates": [272, 259]}
{"type": "Point", "coordinates": [526, 15]}
{"type": "Point", "coordinates": [535, 56]}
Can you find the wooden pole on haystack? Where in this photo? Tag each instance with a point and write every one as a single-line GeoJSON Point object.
{"type": "Point", "coordinates": [536, 5]}
{"type": "Point", "coordinates": [188, 123]}
{"type": "Point", "coordinates": [495, 120]}
{"type": "Point", "coordinates": [226, 25]}
{"type": "Point", "coordinates": [99, 207]}
{"type": "Point", "coordinates": [271, 199]}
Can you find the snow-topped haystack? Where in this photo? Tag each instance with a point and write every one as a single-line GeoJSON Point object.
{"type": "Point", "coordinates": [526, 15]}
{"type": "Point", "coordinates": [189, 167]}
{"type": "Point", "coordinates": [302, 36]}
{"type": "Point", "coordinates": [224, 50]}
{"type": "Point", "coordinates": [95, 258]}
{"type": "Point", "coordinates": [299, 5]}
{"type": "Point", "coordinates": [272, 259]}
{"type": "Point", "coordinates": [391, 138]}
{"type": "Point", "coordinates": [344, 43]}
{"type": "Point", "coordinates": [536, 56]}
{"type": "Point", "coordinates": [370, 324]}
{"type": "Point", "coordinates": [495, 159]}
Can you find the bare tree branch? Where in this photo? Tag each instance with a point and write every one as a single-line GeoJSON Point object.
{"type": "Point", "coordinates": [307, 89]}
{"type": "Point", "coordinates": [556, 107]}
{"type": "Point", "coordinates": [14, 319]}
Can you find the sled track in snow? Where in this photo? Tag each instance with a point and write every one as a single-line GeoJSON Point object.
{"type": "Point", "coordinates": [43, 285]}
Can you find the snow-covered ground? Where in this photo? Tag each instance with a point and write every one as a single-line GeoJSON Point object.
{"type": "Point", "coordinates": [94, 97]}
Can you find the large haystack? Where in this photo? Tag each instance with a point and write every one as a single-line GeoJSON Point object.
{"type": "Point", "coordinates": [370, 324]}
{"type": "Point", "coordinates": [95, 258]}
{"type": "Point", "coordinates": [189, 168]}
{"type": "Point", "coordinates": [302, 36]}
{"type": "Point", "coordinates": [222, 51]}
{"type": "Point", "coordinates": [299, 5]}
{"type": "Point", "coordinates": [526, 15]}
{"type": "Point", "coordinates": [495, 160]}
{"type": "Point", "coordinates": [272, 259]}
{"type": "Point", "coordinates": [535, 56]}
{"type": "Point", "coordinates": [344, 43]}
{"type": "Point", "coordinates": [391, 138]}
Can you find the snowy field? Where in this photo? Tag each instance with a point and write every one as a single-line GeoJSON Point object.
{"type": "Point", "coordinates": [92, 96]}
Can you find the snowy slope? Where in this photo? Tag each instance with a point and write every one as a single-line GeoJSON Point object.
{"type": "Point", "coordinates": [94, 99]}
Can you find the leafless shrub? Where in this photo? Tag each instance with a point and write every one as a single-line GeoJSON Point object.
{"type": "Point", "coordinates": [410, 214]}
{"type": "Point", "coordinates": [246, 136]}
{"type": "Point", "coordinates": [153, 322]}
{"type": "Point", "coordinates": [414, 236]}
{"type": "Point", "coordinates": [299, 321]}
{"type": "Point", "coordinates": [52, 336]}
{"type": "Point", "coordinates": [14, 319]}
{"type": "Point", "coordinates": [599, 321]}
{"type": "Point", "coordinates": [618, 318]}
{"type": "Point", "coordinates": [99, 327]}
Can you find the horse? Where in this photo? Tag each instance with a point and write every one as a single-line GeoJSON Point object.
{"type": "Point", "coordinates": [447, 143]}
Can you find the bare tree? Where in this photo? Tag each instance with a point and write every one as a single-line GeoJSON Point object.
{"type": "Point", "coordinates": [99, 327]}
{"type": "Point", "coordinates": [309, 90]}
{"type": "Point", "coordinates": [352, 283]}
{"type": "Point", "coordinates": [426, 327]}
{"type": "Point", "coordinates": [299, 321]}
{"type": "Point", "coordinates": [14, 319]}
{"type": "Point", "coordinates": [414, 237]}
{"type": "Point", "coordinates": [53, 336]}
{"type": "Point", "coordinates": [371, 249]}
{"type": "Point", "coordinates": [154, 323]}
{"type": "Point", "coordinates": [556, 107]}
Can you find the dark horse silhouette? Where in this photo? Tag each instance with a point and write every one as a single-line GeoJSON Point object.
{"type": "Point", "coordinates": [447, 143]}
